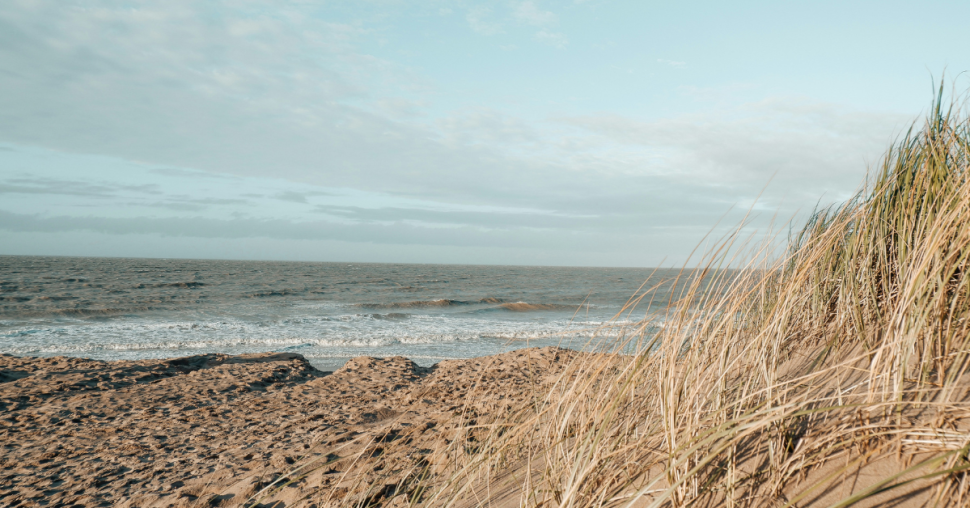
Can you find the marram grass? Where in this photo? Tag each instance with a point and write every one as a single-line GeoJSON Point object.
{"type": "Point", "coordinates": [835, 374]}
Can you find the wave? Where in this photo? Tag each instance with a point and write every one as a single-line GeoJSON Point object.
{"type": "Point", "coordinates": [78, 312]}
{"type": "Point", "coordinates": [528, 307]}
{"type": "Point", "coordinates": [86, 312]}
{"type": "Point", "coordinates": [45, 298]}
{"type": "Point", "coordinates": [494, 303]}
{"type": "Point", "coordinates": [183, 285]}
{"type": "Point", "coordinates": [391, 316]}
{"type": "Point", "coordinates": [318, 356]}
{"type": "Point", "coordinates": [281, 292]}
{"type": "Point", "coordinates": [414, 304]}
{"type": "Point", "coordinates": [15, 298]}
{"type": "Point", "coordinates": [225, 345]}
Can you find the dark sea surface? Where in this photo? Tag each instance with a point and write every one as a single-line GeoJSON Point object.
{"type": "Point", "coordinates": [112, 308]}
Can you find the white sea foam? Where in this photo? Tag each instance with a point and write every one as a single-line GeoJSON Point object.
{"type": "Point", "coordinates": [342, 335]}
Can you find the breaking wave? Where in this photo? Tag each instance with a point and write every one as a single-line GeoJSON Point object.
{"type": "Point", "coordinates": [486, 303]}
{"type": "Point", "coordinates": [414, 304]}
{"type": "Point", "coordinates": [527, 307]}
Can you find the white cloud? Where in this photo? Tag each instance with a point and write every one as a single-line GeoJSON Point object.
{"type": "Point", "coordinates": [479, 20]}
{"type": "Point", "coordinates": [554, 39]}
{"type": "Point", "coordinates": [808, 149]}
{"type": "Point", "coordinates": [672, 63]}
{"type": "Point", "coordinates": [399, 107]}
{"type": "Point", "coordinates": [488, 127]}
{"type": "Point", "coordinates": [528, 12]}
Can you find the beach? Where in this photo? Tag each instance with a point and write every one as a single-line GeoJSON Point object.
{"type": "Point", "coordinates": [216, 430]}
{"type": "Point", "coordinates": [270, 430]}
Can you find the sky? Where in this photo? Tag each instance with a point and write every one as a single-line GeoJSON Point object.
{"type": "Point", "coordinates": [583, 133]}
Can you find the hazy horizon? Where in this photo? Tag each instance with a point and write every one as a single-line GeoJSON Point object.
{"type": "Point", "coordinates": [310, 261]}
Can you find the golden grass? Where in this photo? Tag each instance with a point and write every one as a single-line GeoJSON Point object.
{"type": "Point", "coordinates": [832, 375]}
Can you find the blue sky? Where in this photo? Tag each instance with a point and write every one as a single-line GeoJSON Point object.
{"type": "Point", "coordinates": [514, 132]}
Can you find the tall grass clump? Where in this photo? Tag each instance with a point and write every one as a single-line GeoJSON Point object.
{"type": "Point", "coordinates": [835, 374]}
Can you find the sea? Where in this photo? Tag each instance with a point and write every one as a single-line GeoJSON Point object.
{"type": "Point", "coordinates": [114, 308]}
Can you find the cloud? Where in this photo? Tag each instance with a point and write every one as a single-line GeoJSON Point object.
{"type": "Point", "coordinates": [554, 39]}
{"type": "Point", "coordinates": [187, 204]}
{"type": "Point", "coordinates": [528, 12]}
{"type": "Point", "coordinates": [397, 232]}
{"type": "Point", "coordinates": [300, 197]}
{"type": "Point", "coordinates": [672, 63]}
{"type": "Point", "coordinates": [460, 218]}
{"type": "Point", "coordinates": [69, 187]}
{"type": "Point", "coordinates": [187, 173]}
{"type": "Point", "coordinates": [177, 207]}
{"type": "Point", "coordinates": [294, 197]}
{"type": "Point", "coordinates": [479, 20]}
{"type": "Point", "coordinates": [83, 189]}
{"type": "Point", "coordinates": [401, 108]}
{"type": "Point", "coordinates": [727, 93]}
{"type": "Point", "coordinates": [487, 127]}
{"type": "Point", "coordinates": [808, 149]}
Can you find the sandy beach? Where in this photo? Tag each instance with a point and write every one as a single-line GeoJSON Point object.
{"type": "Point", "coordinates": [215, 430]}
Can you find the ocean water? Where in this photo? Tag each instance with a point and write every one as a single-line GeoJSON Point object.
{"type": "Point", "coordinates": [111, 308]}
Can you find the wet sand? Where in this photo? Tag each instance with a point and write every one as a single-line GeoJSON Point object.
{"type": "Point", "coordinates": [215, 430]}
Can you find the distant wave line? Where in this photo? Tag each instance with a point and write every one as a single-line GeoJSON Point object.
{"type": "Point", "coordinates": [496, 302]}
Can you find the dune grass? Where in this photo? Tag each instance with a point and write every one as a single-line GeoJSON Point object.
{"type": "Point", "coordinates": [833, 374]}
